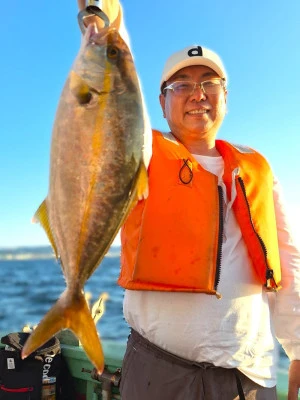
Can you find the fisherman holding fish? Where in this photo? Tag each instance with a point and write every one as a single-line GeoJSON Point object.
{"type": "Point", "coordinates": [208, 264]}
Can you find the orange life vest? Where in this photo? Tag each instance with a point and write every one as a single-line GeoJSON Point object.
{"type": "Point", "coordinates": [172, 241]}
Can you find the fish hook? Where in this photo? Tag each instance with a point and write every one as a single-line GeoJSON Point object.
{"type": "Point", "coordinates": [92, 9]}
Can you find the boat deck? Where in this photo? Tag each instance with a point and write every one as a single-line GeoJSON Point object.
{"type": "Point", "coordinates": [89, 386]}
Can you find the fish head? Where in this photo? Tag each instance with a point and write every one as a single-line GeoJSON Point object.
{"type": "Point", "coordinates": [104, 66]}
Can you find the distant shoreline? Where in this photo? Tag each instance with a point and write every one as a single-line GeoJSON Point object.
{"type": "Point", "coordinates": [39, 253]}
{"type": "Point", "coordinates": [25, 256]}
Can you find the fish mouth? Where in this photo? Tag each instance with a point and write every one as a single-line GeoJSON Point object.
{"type": "Point", "coordinates": [95, 37]}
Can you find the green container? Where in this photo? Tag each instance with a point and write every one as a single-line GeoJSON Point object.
{"type": "Point", "coordinates": [81, 370]}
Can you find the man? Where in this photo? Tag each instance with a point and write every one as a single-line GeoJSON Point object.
{"type": "Point", "coordinates": [202, 253]}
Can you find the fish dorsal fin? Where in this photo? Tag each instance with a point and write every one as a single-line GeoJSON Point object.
{"type": "Point", "coordinates": [79, 88]}
{"type": "Point", "coordinates": [41, 216]}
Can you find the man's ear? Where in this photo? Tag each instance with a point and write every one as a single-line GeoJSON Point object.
{"type": "Point", "coordinates": [162, 100]}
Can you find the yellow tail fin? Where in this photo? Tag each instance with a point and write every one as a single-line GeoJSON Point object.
{"type": "Point", "coordinates": [70, 311]}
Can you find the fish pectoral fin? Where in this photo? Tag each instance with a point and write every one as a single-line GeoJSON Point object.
{"type": "Point", "coordinates": [41, 215]}
{"type": "Point", "coordinates": [79, 88]}
{"type": "Point", "coordinates": [142, 189]}
{"type": "Point", "coordinates": [69, 312]}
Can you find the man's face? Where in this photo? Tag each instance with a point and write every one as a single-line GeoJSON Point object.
{"type": "Point", "coordinates": [196, 116]}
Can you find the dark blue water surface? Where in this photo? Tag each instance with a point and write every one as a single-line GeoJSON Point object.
{"type": "Point", "coordinates": [29, 287]}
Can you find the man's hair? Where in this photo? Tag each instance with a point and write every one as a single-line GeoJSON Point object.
{"type": "Point", "coordinates": [162, 88]}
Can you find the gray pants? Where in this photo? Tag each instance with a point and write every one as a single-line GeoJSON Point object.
{"type": "Point", "coordinates": [150, 373]}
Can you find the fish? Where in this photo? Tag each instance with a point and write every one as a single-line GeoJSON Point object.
{"type": "Point", "coordinates": [97, 175]}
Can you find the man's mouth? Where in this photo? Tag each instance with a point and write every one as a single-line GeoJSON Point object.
{"type": "Point", "coordinates": [201, 111]}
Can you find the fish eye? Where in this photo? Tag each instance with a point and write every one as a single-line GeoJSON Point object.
{"type": "Point", "coordinates": [112, 52]}
{"type": "Point", "coordinates": [85, 98]}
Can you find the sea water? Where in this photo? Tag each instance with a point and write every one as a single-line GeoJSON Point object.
{"type": "Point", "coordinates": [31, 281]}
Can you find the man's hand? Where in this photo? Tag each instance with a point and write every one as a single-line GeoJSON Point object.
{"type": "Point", "coordinates": [110, 7]}
{"type": "Point", "coordinates": [294, 380]}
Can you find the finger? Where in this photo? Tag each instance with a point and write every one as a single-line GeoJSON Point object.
{"type": "Point", "coordinates": [81, 4]}
{"type": "Point", "coordinates": [293, 392]}
{"type": "Point", "coordinates": [110, 7]}
{"type": "Point", "coordinates": [90, 19]}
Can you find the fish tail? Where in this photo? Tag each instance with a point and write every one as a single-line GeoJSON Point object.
{"type": "Point", "coordinates": [69, 312]}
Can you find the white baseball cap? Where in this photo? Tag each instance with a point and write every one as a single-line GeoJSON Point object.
{"type": "Point", "coordinates": [193, 55]}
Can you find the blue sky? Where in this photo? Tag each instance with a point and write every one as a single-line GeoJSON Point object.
{"type": "Point", "coordinates": [258, 42]}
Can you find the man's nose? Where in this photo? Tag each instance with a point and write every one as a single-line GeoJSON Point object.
{"type": "Point", "coordinates": [198, 94]}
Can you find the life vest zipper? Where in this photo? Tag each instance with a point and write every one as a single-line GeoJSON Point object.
{"type": "Point", "coordinates": [220, 241]}
{"type": "Point", "coordinates": [16, 390]}
{"type": "Point", "coordinates": [269, 271]}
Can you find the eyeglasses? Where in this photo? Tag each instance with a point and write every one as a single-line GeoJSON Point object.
{"type": "Point", "coordinates": [187, 88]}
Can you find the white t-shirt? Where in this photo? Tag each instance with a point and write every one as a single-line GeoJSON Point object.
{"type": "Point", "coordinates": [234, 331]}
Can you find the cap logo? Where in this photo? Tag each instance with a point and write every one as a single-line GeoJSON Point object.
{"type": "Point", "coordinates": [195, 51]}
